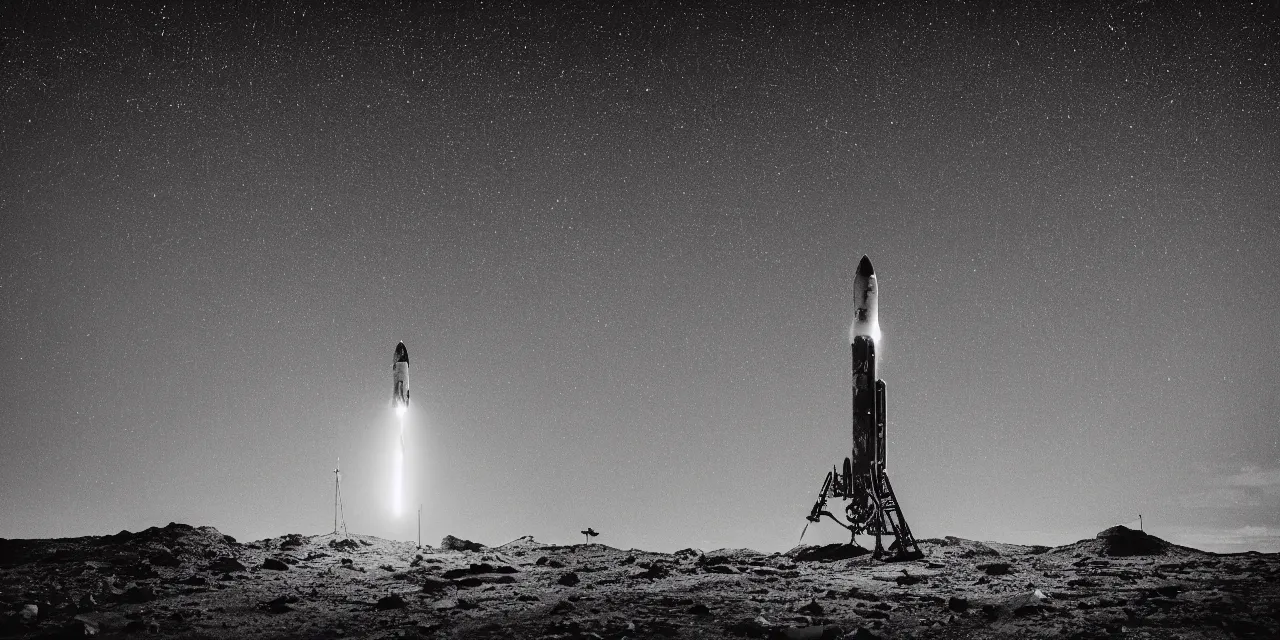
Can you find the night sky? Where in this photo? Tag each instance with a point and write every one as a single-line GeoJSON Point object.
{"type": "Point", "coordinates": [620, 245]}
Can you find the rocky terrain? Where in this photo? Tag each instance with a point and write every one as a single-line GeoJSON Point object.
{"type": "Point", "coordinates": [194, 582]}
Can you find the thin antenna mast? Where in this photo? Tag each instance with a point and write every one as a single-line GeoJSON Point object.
{"type": "Point", "coordinates": [337, 500]}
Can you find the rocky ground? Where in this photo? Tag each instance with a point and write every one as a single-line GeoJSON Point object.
{"type": "Point", "coordinates": [183, 581]}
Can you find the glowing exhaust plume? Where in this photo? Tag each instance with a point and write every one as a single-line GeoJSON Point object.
{"type": "Point", "coordinates": [397, 490]}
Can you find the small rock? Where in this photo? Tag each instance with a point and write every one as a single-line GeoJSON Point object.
{"type": "Point", "coordinates": [274, 565]}
{"type": "Point", "coordinates": [454, 574]}
{"type": "Point", "coordinates": [524, 597]}
{"type": "Point", "coordinates": [279, 605]}
{"type": "Point", "coordinates": [431, 585]}
{"type": "Point", "coordinates": [87, 603]}
{"type": "Point", "coordinates": [996, 568]}
{"type": "Point", "coordinates": [225, 564]}
{"type": "Point", "coordinates": [29, 613]}
{"type": "Point", "coordinates": [569, 579]}
{"type": "Point", "coordinates": [393, 601]}
{"type": "Point", "coordinates": [541, 561]}
{"type": "Point", "coordinates": [959, 605]}
{"type": "Point", "coordinates": [862, 633]}
{"type": "Point", "coordinates": [699, 610]}
{"type": "Point", "coordinates": [465, 604]}
{"type": "Point", "coordinates": [813, 608]}
{"type": "Point", "coordinates": [908, 580]}
{"type": "Point", "coordinates": [469, 582]}
{"type": "Point", "coordinates": [721, 568]}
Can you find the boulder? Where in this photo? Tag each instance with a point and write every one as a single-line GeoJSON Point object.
{"type": "Point", "coordinates": [274, 565]}
{"type": "Point", "coordinates": [393, 601]}
{"type": "Point", "coordinates": [826, 553]}
{"type": "Point", "coordinates": [451, 543]}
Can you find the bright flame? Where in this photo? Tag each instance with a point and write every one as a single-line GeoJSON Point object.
{"type": "Point", "coordinates": [397, 490]}
{"type": "Point", "coordinates": [400, 409]}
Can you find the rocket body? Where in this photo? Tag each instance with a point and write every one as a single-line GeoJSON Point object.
{"type": "Point", "coordinates": [400, 379]}
{"type": "Point", "coordinates": [867, 455]}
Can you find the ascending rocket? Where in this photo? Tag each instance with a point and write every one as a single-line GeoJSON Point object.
{"type": "Point", "coordinates": [400, 380]}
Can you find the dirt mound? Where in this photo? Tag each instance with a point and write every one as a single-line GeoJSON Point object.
{"type": "Point", "coordinates": [1120, 541]}
{"type": "Point", "coordinates": [1123, 541]}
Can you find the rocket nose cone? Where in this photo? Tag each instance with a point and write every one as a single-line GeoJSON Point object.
{"type": "Point", "coordinates": [402, 354]}
{"type": "Point", "coordinates": [864, 267]}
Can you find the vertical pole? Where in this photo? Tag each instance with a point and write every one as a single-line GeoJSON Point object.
{"type": "Point", "coordinates": [1140, 527]}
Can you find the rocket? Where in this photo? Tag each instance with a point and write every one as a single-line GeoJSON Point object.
{"type": "Point", "coordinates": [873, 509]}
{"type": "Point", "coordinates": [868, 391]}
{"type": "Point", "coordinates": [400, 379]}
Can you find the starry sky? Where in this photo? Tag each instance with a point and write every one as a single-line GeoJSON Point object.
{"type": "Point", "coordinates": [619, 245]}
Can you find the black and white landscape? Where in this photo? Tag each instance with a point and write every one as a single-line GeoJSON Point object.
{"type": "Point", "coordinates": [627, 249]}
{"type": "Point", "coordinates": [183, 582]}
